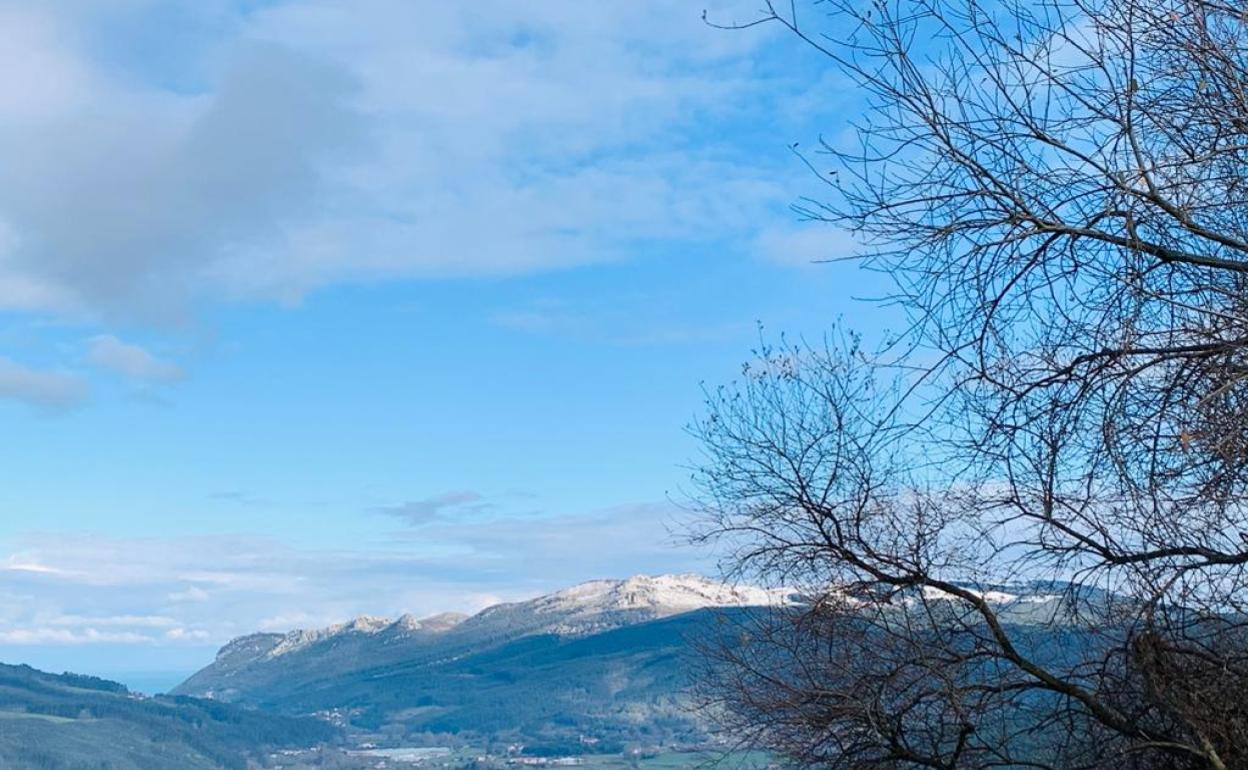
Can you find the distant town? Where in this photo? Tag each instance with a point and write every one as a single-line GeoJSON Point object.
{"type": "Point", "coordinates": [370, 757]}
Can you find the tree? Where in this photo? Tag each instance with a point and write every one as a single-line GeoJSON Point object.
{"type": "Point", "coordinates": [1057, 190]}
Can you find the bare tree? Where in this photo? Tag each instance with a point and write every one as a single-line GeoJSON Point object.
{"type": "Point", "coordinates": [1057, 189]}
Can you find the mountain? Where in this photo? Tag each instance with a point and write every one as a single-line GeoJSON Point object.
{"type": "Point", "coordinates": [73, 722]}
{"type": "Point", "coordinates": [608, 660]}
{"type": "Point", "coordinates": [257, 667]}
{"type": "Point", "coordinates": [603, 658]}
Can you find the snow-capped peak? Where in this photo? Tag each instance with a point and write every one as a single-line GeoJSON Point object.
{"type": "Point", "coordinates": [993, 596]}
{"type": "Point", "coordinates": [367, 624]}
{"type": "Point", "coordinates": [584, 608]}
{"type": "Point", "coordinates": [364, 624]}
{"type": "Point", "coordinates": [600, 605]}
{"type": "Point", "coordinates": [408, 622]}
{"type": "Point", "coordinates": [665, 594]}
{"type": "Point", "coordinates": [441, 622]}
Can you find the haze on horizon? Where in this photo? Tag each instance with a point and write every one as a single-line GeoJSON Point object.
{"type": "Point", "coordinates": [309, 312]}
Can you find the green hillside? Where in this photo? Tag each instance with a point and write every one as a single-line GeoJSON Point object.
{"type": "Point", "coordinates": [72, 722]}
{"type": "Point", "coordinates": [623, 686]}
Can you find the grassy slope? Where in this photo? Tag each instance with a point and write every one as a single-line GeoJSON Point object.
{"type": "Point", "coordinates": [69, 722]}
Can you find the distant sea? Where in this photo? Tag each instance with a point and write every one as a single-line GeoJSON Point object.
{"type": "Point", "coordinates": [147, 682]}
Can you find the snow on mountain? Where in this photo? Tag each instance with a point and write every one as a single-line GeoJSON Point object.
{"type": "Point", "coordinates": [433, 624]}
{"type": "Point", "coordinates": [586, 608]}
{"type": "Point", "coordinates": [662, 594]}
{"type": "Point", "coordinates": [296, 640]}
{"type": "Point", "coordinates": [268, 662]}
{"type": "Point", "coordinates": [244, 649]}
{"type": "Point", "coordinates": [442, 622]}
{"type": "Point", "coordinates": [599, 605]}
{"type": "Point", "coordinates": [583, 608]}
{"type": "Point", "coordinates": [372, 649]}
{"type": "Point", "coordinates": [994, 597]}
{"type": "Point", "coordinates": [369, 625]}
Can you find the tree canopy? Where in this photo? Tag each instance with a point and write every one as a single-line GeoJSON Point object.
{"type": "Point", "coordinates": [1056, 189]}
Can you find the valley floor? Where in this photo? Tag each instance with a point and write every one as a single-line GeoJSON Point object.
{"type": "Point", "coordinates": [473, 759]}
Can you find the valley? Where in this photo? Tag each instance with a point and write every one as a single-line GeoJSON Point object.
{"type": "Point", "coordinates": [474, 758]}
{"type": "Point", "coordinates": [595, 676]}
{"type": "Point", "coordinates": [75, 722]}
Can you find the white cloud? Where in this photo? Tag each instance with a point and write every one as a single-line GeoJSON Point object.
{"type": "Point", "coordinates": [21, 563]}
{"type": "Point", "coordinates": [187, 635]}
{"type": "Point", "coordinates": [34, 43]}
{"type": "Point", "coordinates": [329, 142]}
{"type": "Point", "coordinates": [431, 508]}
{"type": "Point", "coordinates": [41, 636]}
{"type": "Point", "coordinates": [82, 588]}
{"type": "Point", "coordinates": [190, 594]}
{"type": "Point", "coordinates": [108, 352]}
{"type": "Point", "coordinates": [557, 550]}
{"type": "Point", "coordinates": [114, 621]}
{"type": "Point", "coordinates": [45, 389]}
{"type": "Point", "coordinates": [806, 245]}
{"type": "Point", "coordinates": [286, 621]}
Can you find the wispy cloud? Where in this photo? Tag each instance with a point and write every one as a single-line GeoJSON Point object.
{"type": "Point", "coordinates": [114, 621]}
{"type": "Point", "coordinates": [45, 389]}
{"type": "Point", "coordinates": [79, 589]}
{"type": "Point", "coordinates": [328, 143]}
{"type": "Point", "coordinates": [53, 635]}
{"type": "Point", "coordinates": [189, 594]}
{"type": "Point", "coordinates": [108, 352]}
{"type": "Point", "coordinates": [806, 245]}
{"type": "Point", "coordinates": [239, 497]}
{"type": "Point", "coordinates": [430, 508]}
{"type": "Point", "coordinates": [187, 635]}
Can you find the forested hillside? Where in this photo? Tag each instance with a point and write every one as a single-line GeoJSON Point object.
{"type": "Point", "coordinates": [73, 722]}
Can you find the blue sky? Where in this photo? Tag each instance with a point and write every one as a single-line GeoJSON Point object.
{"type": "Point", "coordinates": [314, 309]}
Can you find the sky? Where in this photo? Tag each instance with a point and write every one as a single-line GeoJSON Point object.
{"type": "Point", "coordinates": [317, 309]}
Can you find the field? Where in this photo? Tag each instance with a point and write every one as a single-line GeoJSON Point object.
{"type": "Point", "coordinates": [473, 759]}
{"type": "Point", "coordinates": [681, 760]}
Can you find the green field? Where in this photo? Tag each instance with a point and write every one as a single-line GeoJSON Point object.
{"type": "Point", "coordinates": [42, 717]}
{"type": "Point", "coordinates": [681, 760]}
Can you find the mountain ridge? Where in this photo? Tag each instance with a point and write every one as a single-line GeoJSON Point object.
{"type": "Point", "coordinates": [610, 659]}
{"type": "Point", "coordinates": [449, 673]}
{"type": "Point", "coordinates": [577, 609]}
